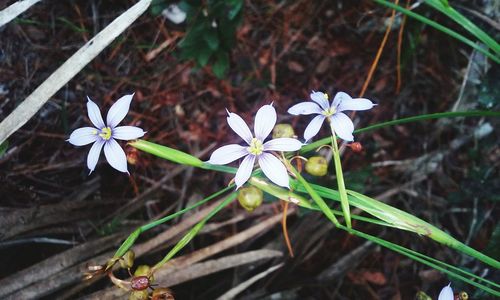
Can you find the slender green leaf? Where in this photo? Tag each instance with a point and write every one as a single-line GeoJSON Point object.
{"type": "Point", "coordinates": [194, 231]}
{"type": "Point", "coordinates": [167, 153]}
{"type": "Point", "coordinates": [439, 27]}
{"type": "Point", "coordinates": [324, 141]}
{"type": "Point", "coordinates": [456, 16]}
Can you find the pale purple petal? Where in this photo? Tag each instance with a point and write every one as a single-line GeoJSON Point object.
{"type": "Point", "coordinates": [227, 154]}
{"type": "Point", "coordinates": [321, 99]}
{"type": "Point", "coordinates": [115, 155]}
{"type": "Point", "coordinates": [265, 119]}
{"type": "Point", "coordinates": [94, 153]}
{"type": "Point", "coordinates": [274, 169]}
{"type": "Point", "coordinates": [282, 144]}
{"type": "Point", "coordinates": [446, 293]}
{"type": "Point", "coordinates": [94, 114]}
{"type": "Point", "coordinates": [244, 171]}
{"type": "Point", "coordinates": [355, 104]}
{"type": "Point", "coordinates": [83, 136]}
{"type": "Point", "coordinates": [343, 126]}
{"type": "Point", "coordinates": [118, 110]}
{"type": "Point", "coordinates": [127, 133]}
{"type": "Point", "coordinates": [239, 126]}
{"type": "Point", "coordinates": [313, 128]}
{"type": "Point", "coordinates": [339, 98]}
{"type": "Point", "coordinates": [304, 108]}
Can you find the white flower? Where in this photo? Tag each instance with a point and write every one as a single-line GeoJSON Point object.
{"type": "Point", "coordinates": [341, 123]}
{"type": "Point", "coordinates": [256, 149]}
{"type": "Point", "coordinates": [446, 293]}
{"type": "Point", "coordinates": [104, 135]}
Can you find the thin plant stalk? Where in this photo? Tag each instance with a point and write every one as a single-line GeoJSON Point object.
{"type": "Point", "coordinates": [344, 202]}
{"type": "Point", "coordinates": [319, 201]}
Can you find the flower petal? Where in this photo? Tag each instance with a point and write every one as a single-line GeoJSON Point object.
{"type": "Point", "coordinates": [355, 104]}
{"type": "Point", "coordinates": [227, 154]}
{"type": "Point", "coordinates": [115, 155]}
{"type": "Point", "coordinates": [127, 133]}
{"type": "Point", "coordinates": [274, 169]}
{"type": "Point", "coordinates": [343, 126]}
{"type": "Point", "coordinates": [239, 126]}
{"type": "Point", "coordinates": [321, 99]}
{"type": "Point", "coordinates": [313, 128]}
{"type": "Point", "coordinates": [339, 98]}
{"type": "Point", "coordinates": [446, 293]}
{"type": "Point", "coordinates": [83, 136]}
{"type": "Point", "coordinates": [118, 110]}
{"type": "Point", "coordinates": [283, 144]}
{"type": "Point", "coordinates": [94, 153]}
{"type": "Point", "coordinates": [94, 114]}
{"type": "Point", "coordinates": [244, 171]}
{"type": "Point", "coordinates": [265, 119]}
{"type": "Point", "coordinates": [304, 108]}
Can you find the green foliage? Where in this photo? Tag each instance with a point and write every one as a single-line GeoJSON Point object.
{"type": "Point", "coordinates": [3, 148]}
{"type": "Point", "coordinates": [450, 12]}
{"type": "Point", "coordinates": [211, 31]}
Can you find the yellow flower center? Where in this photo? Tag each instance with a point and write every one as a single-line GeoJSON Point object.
{"type": "Point", "coordinates": [329, 112]}
{"type": "Point", "coordinates": [105, 133]}
{"type": "Point", "coordinates": [256, 147]}
{"type": "Point", "coordinates": [326, 96]}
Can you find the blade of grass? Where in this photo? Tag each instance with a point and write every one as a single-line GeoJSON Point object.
{"type": "Point", "coordinates": [130, 240]}
{"type": "Point", "coordinates": [193, 232]}
{"type": "Point", "coordinates": [439, 27]}
{"type": "Point", "coordinates": [465, 23]}
{"type": "Point", "coordinates": [400, 219]}
{"type": "Point", "coordinates": [324, 141]}
{"type": "Point", "coordinates": [344, 202]}
{"type": "Point", "coordinates": [424, 260]}
{"type": "Point", "coordinates": [319, 201]}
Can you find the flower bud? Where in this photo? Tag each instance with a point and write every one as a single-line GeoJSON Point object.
{"type": "Point", "coordinates": [283, 131]}
{"type": "Point", "coordinates": [127, 261]}
{"type": "Point", "coordinates": [250, 197]}
{"type": "Point", "coordinates": [356, 147]}
{"type": "Point", "coordinates": [139, 295]}
{"type": "Point", "coordinates": [162, 294]}
{"type": "Point", "coordinates": [317, 166]}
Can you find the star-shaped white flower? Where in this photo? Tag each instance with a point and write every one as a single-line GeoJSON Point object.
{"type": "Point", "coordinates": [104, 135]}
{"type": "Point", "coordinates": [446, 293]}
{"type": "Point", "coordinates": [256, 149]}
{"type": "Point", "coordinates": [341, 123]}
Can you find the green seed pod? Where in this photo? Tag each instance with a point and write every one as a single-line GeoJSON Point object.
{"type": "Point", "coordinates": [317, 166]}
{"type": "Point", "coordinates": [143, 270]}
{"type": "Point", "coordinates": [283, 131]}
{"type": "Point", "coordinates": [127, 261]}
{"type": "Point", "coordinates": [422, 296]}
{"type": "Point", "coordinates": [250, 197]}
{"type": "Point", "coordinates": [139, 295]}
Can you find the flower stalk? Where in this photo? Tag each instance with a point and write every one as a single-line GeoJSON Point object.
{"type": "Point", "coordinates": [344, 202]}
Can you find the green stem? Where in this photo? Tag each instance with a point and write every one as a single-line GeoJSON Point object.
{"type": "Point", "coordinates": [324, 141]}
{"type": "Point", "coordinates": [344, 203]}
{"type": "Point", "coordinates": [319, 201]}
